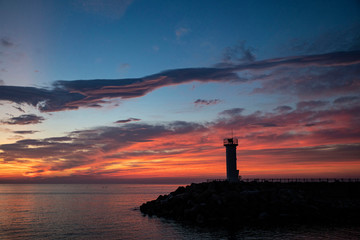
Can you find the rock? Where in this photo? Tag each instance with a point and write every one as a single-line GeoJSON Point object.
{"type": "Point", "coordinates": [239, 204]}
{"type": "Point", "coordinates": [200, 219]}
{"type": "Point", "coordinates": [263, 216]}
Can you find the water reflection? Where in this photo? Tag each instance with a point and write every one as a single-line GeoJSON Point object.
{"type": "Point", "coordinates": [106, 212]}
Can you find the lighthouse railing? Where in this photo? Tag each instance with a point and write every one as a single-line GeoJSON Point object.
{"type": "Point", "coordinates": [290, 180]}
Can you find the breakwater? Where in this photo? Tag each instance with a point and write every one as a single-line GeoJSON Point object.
{"type": "Point", "coordinates": [293, 180]}
{"type": "Point", "coordinates": [220, 203]}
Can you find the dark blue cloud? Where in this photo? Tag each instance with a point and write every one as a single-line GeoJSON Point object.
{"type": "Point", "coordinates": [25, 132]}
{"type": "Point", "coordinates": [283, 108]}
{"type": "Point", "coordinates": [232, 112]}
{"type": "Point", "coordinates": [24, 120]}
{"type": "Point", "coordinates": [238, 54]}
{"type": "Point", "coordinates": [128, 120]}
{"type": "Point", "coordinates": [310, 105]}
{"type": "Point", "coordinates": [347, 100]}
{"type": "Point", "coordinates": [67, 95]}
{"type": "Point", "coordinates": [207, 102]}
{"type": "Point", "coordinates": [6, 42]}
{"type": "Point", "coordinates": [312, 82]}
{"type": "Point", "coordinates": [346, 39]}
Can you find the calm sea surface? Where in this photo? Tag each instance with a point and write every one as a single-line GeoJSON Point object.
{"type": "Point", "coordinates": [106, 211]}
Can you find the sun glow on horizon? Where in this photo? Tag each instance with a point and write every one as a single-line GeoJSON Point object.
{"type": "Point", "coordinates": [124, 97]}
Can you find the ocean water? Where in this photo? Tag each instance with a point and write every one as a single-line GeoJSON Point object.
{"type": "Point", "coordinates": [110, 211]}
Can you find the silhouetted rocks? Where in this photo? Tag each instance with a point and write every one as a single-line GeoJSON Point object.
{"type": "Point", "coordinates": [250, 203]}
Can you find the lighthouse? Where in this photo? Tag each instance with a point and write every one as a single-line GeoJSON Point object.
{"type": "Point", "coordinates": [232, 174]}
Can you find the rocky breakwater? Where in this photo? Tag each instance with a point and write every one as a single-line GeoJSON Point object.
{"type": "Point", "coordinates": [249, 203]}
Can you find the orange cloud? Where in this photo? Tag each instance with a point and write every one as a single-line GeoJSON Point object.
{"type": "Point", "coordinates": [298, 142]}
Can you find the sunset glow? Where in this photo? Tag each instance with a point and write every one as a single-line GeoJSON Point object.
{"type": "Point", "coordinates": [149, 89]}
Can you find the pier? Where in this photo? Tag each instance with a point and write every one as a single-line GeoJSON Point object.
{"type": "Point", "coordinates": [291, 180]}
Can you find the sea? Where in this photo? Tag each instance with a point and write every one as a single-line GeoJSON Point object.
{"type": "Point", "coordinates": [111, 211]}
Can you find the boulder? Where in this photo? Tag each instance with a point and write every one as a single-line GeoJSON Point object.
{"type": "Point", "coordinates": [249, 203]}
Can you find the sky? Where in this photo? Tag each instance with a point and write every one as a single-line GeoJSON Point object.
{"type": "Point", "coordinates": [139, 90]}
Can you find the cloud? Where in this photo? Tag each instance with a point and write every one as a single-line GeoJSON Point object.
{"type": "Point", "coordinates": [181, 32]}
{"type": "Point", "coordinates": [238, 54]}
{"type": "Point", "coordinates": [283, 108]}
{"type": "Point", "coordinates": [6, 42]}
{"type": "Point", "coordinates": [182, 127]}
{"type": "Point", "coordinates": [325, 60]}
{"type": "Point", "coordinates": [44, 99]}
{"type": "Point", "coordinates": [67, 95]}
{"type": "Point", "coordinates": [25, 132]}
{"type": "Point", "coordinates": [346, 100]}
{"type": "Point", "coordinates": [312, 82]}
{"type": "Point", "coordinates": [307, 124]}
{"type": "Point", "coordinates": [207, 102]}
{"type": "Point", "coordinates": [313, 154]}
{"type": "Point", "coordinates": [302, 136]}
{"type": "Point", "coordinates": [114, 9]}
{"type": "Point", "coordinates": [233, 119]}
{"type": "Point", "coordinates": [346, 39]}
{"type": "Point", "coordinates": [81, 147]}
{"type": "Point", "coordinates": [128, 120]}
{"type": "Point", "coordinates": [319, 123]}
{"type": "Point", "coordinates": [304, 105]}
{"type": "Point", "coordinates": [24, 120]}
{"type": "Point", "coordinates": [232, 112]}
{"type": "Point", "coordinates": [123, 67]}
{"type": "Point", "coordinates": [19, 108]}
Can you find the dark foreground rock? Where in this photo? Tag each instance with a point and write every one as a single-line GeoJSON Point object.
{"type": "Point", "coordinates": [251, 203]}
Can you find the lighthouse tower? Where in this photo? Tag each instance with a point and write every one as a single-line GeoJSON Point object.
{"type": "Point", "coordinates": [232, 174]}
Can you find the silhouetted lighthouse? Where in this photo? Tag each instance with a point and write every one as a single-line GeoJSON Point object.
{"type": "Point", "coordinates": [232, 174]}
